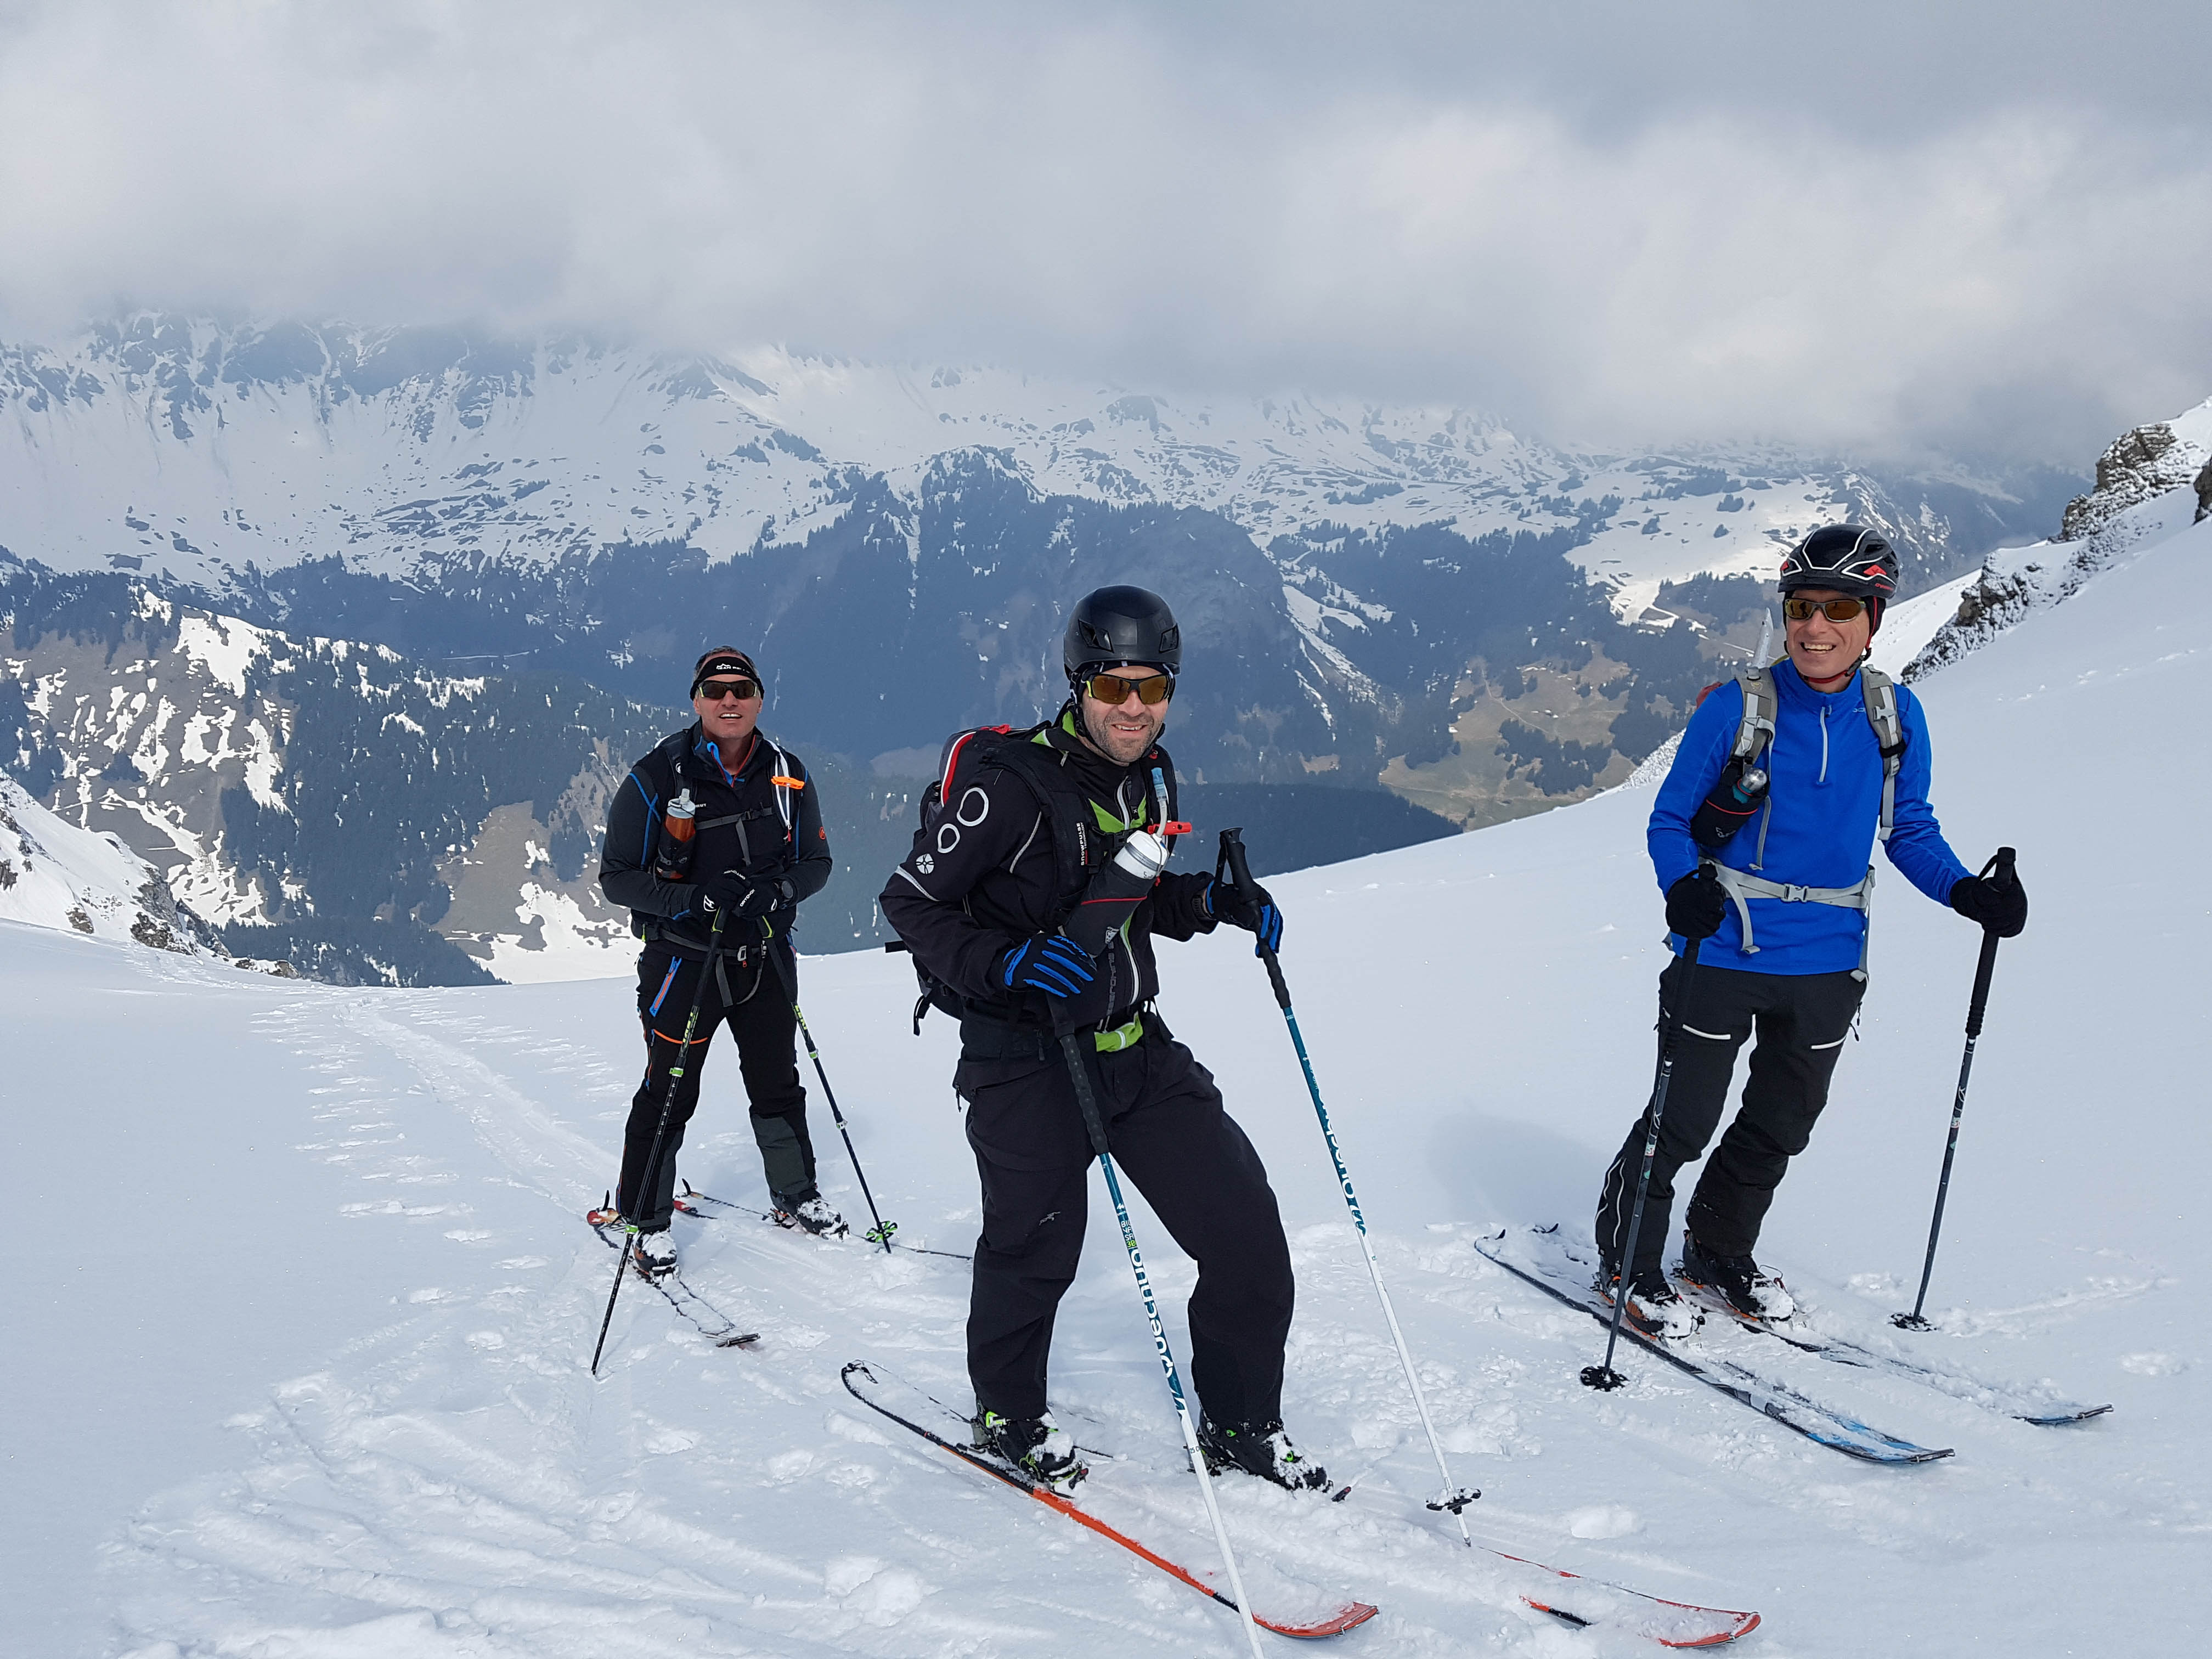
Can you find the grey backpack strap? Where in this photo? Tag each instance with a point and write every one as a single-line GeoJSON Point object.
{"type": "Point", "coordinates": [1879, 693]}
{"type": "Point", "coordinates": [1754, 735]}
{"type": "Point", "coordinates": [1755, 731]}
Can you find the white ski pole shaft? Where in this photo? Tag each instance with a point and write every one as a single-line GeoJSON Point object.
{"type": "Point", "coordinates": [1088, 1103]}
{"type": "Point", "coordinates": [1250, 1619]}
{"type": "Point", "coordinates": [1232, 855]}
{"type": "Point", "coordinates": [1450, 1494]}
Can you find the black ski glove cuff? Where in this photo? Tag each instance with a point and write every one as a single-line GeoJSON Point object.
{"type": "Point", "coordinates": [1696, 906]}
{"type": "Point", "coordinates": [2001, 907]}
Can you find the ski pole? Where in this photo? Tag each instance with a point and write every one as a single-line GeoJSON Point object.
{"type": "Point", "coordinates": [1602, 1375]}
{"type": "Point", "coordinates": [648, 1182]}
{"type": "Point", "coordinates": [2002, 864]}
{"type": "Point", "coordinates": [882, 1234]}
{"type": "Point", "coordinates": [1087, 1102]}
{"type": "Point", "coordinates": [1454, 1498]}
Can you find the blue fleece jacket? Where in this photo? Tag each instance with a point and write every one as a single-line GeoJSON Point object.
{"type": "Point", "coordinates": [1825, 767]}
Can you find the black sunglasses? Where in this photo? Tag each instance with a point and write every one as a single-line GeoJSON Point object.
{"type": "Point", "coordinates": [715, 690]}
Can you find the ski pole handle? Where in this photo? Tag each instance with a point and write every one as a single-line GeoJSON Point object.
{"type": "Point", "coordinates": [1239, 877]}
{"type": "Point", "coordinates": [2002, 864]}
{"type": "Point", "coordinates": [1078, 1075]}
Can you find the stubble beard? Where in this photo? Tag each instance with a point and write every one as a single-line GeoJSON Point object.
{"type": "Point", "coordinates": [1111, 743]}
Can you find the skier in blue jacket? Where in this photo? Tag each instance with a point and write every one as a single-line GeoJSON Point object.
{"type": "Point", "coordinates": [1776, 881]}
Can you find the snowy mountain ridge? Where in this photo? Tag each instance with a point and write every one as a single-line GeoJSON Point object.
{"type": "Point", "coordinates": [2153, 482]}
{"type": "Point", "coordinates": [196, 449]}
{"type": "Point", "coordinates": [54, 875]}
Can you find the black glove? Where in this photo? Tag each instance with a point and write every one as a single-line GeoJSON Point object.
{"type": "Point", "coordinates": [1249, 908]}
{"type": "Point", "coordinates": [1999, 906]}
{"type": "Point", "coordinates": [721, 894]}
{"type": "Point", "coordinates": [1696, 906]}
{"type": "Point", "coordinates": [741, 895]}
{"type": "Point", "coordinates": [1048, 963]}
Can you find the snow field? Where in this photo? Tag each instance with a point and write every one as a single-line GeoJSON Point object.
{"type": "Point", "coordinates": [308, 1377]}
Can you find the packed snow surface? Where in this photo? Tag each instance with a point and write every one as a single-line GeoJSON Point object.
{"type": "Point", "coordinates": [300, 1370]}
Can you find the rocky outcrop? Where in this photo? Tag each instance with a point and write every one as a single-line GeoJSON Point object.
{"type": "Point", "coordinates": [2107, 526]}
{"type": "Point", "coordinates": [2146, 461]}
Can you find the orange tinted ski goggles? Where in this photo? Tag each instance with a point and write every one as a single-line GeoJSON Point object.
{"type": "Point", "coordinates": [1834, 610]}
{"type": "Point", "coordinates": [1112, 689]}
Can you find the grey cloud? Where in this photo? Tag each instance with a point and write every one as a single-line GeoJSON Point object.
{"type": "Point", "coordinates": [1981, 230]}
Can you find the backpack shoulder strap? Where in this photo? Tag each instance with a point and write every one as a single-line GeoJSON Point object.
{"type": "Point", "coordinates": [1754, 735]}
{"type": "Point", "coordinates": [673, 752]}
{"type": "Point", "coordinates": [1754, 732]}
{"type": "Point", "coordinates": [1878, 692]}
{"type": "Point", "coordinates": [1066, 808]}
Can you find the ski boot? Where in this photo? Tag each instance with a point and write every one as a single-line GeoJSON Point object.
{"type": "Point", "coordinates": [656, 1253]}
{"type": "Point", "coordinates": [1262, 1450]}
{"type": "Point", "coordinates": [1037, 1446]}
{"type": "Point", "coordinates": [1738, 1280]}
{"type": "Point", "coordinates": [1655, 1308]}
{"type": "Point", "coordinates": [811, 1216]}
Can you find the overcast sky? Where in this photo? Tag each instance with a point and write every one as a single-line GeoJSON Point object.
{"type": "Point", "coordinates": [1986, 227]}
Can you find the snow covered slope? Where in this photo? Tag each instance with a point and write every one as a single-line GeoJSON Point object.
{"type": "Point", "coordinates": [307, 1378]}
{"type": "Point", "coordinates": [53, 874]}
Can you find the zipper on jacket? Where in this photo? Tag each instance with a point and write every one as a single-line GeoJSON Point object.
{"type": "Point", "coordinates": [1823, 778]}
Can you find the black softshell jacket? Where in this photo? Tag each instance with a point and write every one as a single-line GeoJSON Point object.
{"type": "Point", "coordinates": [768, 824]}
{"type": "Point", "coordinates": [987, 878]}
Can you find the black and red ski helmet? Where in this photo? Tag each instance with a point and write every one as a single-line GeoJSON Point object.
{"type": "Point", "coordinates": [1847, 557]}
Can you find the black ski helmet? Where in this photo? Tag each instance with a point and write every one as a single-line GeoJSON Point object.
{"type": "Point", "coordinates": [1848, 557]}
{"type": "Point", "coordinates": [1118, 625]}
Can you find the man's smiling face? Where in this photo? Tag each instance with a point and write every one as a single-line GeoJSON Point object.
{"type": "Point", "coordinates": [1123, 730]}
{"type": "Point", "coordinates": [1824, 651]}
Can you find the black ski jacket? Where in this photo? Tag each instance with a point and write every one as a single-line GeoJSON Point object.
{"type": "Point", "coordinates": [991, 871]}
{"type": "Point", "coordinates": [767, 823]}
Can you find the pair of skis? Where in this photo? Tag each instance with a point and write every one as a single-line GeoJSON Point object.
{"type": "Point", "coordinates": [1568, 1596]}
{"type": "Point", "coordinates": [1568, 1272]}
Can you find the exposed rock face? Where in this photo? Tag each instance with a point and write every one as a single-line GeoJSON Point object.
{"type": "Point", "coordinates": [2146, 461]}
{"type": "Point", "coordinates": [2107, 526]}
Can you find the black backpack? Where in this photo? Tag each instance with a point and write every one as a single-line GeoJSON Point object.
{"type": "Point", "coordinates": [1066, 810]}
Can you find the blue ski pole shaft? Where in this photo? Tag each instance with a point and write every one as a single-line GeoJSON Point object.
{"type": "Point", "coordinates": [1977, 1006]}
{"type": "Point", "coordinates": [649, 1178]}
{"type": "Point", "coordinates": [882, 1234]}
{"type": "Point", "coordinates": [1602, 1375]}
{"type": "Point", "coordinates": [1240, 873]}
{"type": "Point", "coordinates": [1086, 1101]}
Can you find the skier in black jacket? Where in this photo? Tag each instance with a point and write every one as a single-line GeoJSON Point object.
{"type": "Point", "coordinates": [757, 848]}
{"type": "Point", "coordinates": [1030, 901]}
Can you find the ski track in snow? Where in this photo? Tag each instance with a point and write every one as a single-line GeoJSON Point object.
{"type": "Point", "coordinates": [427, 1468]}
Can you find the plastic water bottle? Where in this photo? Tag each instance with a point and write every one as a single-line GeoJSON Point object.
{"type": "Point", "coordinates": [678, 826]}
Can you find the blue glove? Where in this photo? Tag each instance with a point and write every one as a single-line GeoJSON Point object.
{"type": "Point", "coordinates": [1046, 963]}
{"type": "Point", "coordinates": [1250, 908]}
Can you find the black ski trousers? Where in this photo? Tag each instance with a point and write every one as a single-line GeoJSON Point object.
{"type": "Point", "coordinates": [1172, 1138]}
{"type": "Point", "coordinates": [1802, 1020]}
{"type": "Point", "coordinates": [746, 993]}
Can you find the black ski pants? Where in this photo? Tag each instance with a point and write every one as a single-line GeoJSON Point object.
{"type": "Point", "coordinates": [1802, 1020]}
{"type": "Point", "coordinates": [1171, 1138]}
{"type": "Point", "coordinates": [747, 994]}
